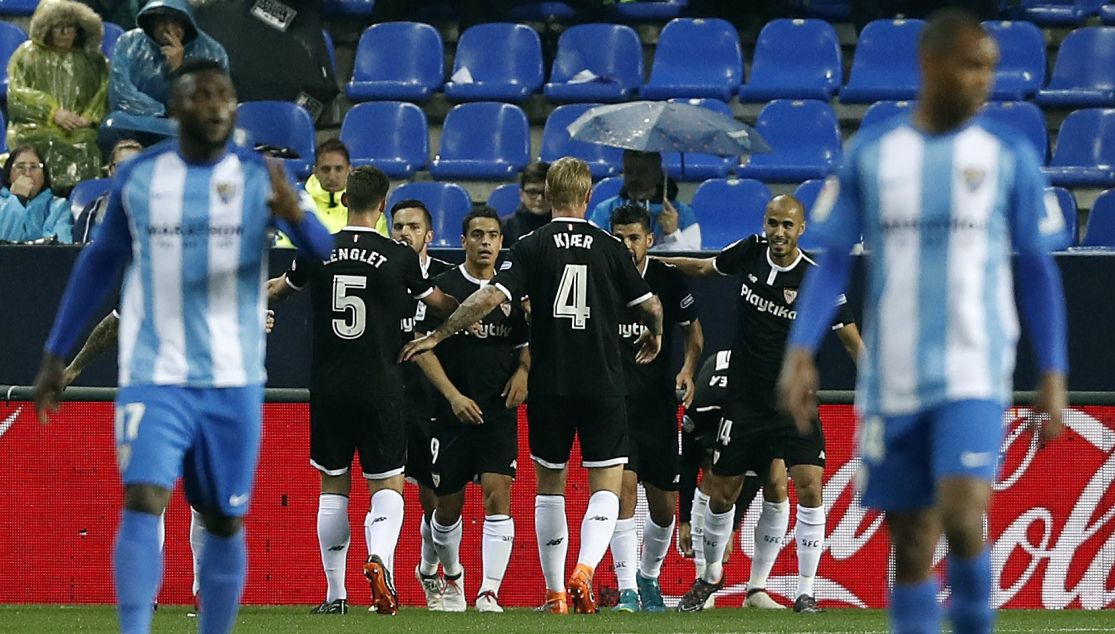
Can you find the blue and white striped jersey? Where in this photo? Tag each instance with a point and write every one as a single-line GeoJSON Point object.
{"type": "Point", "coordinates": [939, 216]}
{"type": "Point", "coordinates": [193, 307]}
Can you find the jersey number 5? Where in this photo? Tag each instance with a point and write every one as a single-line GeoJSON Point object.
{"type": "Point", "coordinates": [354, 321]}
{"type": "Point", "coordinates": [571, 301]}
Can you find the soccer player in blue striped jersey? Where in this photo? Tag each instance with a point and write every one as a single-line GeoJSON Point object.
{"type": "Point", "coordinates": [189, 221]}
{"type": "Point", "coordinates": [941, 198]}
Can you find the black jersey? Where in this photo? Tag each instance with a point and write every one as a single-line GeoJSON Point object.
{"type": "Point", "coordinates": [579, 279]}
{"type": "Point", "coordinates": [359, 295]}
{"type": "Point", "coordinates": [765, 312]}
{"type": "Point", "coordinates": [677, 309]}
{"type": "Point", "coordinates": [419, 320]}
{"type": "Point", "coordinates": [480, 363]}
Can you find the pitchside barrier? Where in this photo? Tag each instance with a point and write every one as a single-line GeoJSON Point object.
{"type": "Point", "coordinates": [1052, 527]}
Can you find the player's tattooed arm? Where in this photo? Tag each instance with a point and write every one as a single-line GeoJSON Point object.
{"type": "Point", "coordinates": [102, 338]}
{"type": "Point", "coordinates": [471, 311]}
{"type": "Point", "coordinates": [694, 267]}
{"type": "Point", "coordinates": [443, 304]}
{"type": "Point", "coordinates": [650, 342]}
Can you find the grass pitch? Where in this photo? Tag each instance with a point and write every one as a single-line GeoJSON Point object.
{"type": "Point", "coordinates": [36, 619]}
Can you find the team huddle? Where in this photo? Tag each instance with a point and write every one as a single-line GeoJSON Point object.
{"type": "Point", "coordinates": [419, 366]}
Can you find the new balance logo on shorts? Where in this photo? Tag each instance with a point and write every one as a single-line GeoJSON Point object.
{"type": "Point", "coordinates": [381, 518]}
{"type": "Point", "coordinates": [336, 549]}
{"type": "Point", "coordinates": [598, 518]}
{"type": "Point", "coordinates": [555, 542]}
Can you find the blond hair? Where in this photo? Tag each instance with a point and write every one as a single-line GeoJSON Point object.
{"type": "Point", "coordinates": [568, 182]}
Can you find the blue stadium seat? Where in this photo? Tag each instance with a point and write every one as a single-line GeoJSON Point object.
{"type": "Point", "coordinates": [1107, 14]}
{"type": "Point", "coordinates": [448, 204]}
{"type": "Point", "coordinates": [347, 8]}
{"type": "Point", "coordinates": [885, 65]}
{"type": "Point", "coordinates": [1025, 117]}
{"type": "Point", "coordinates": [330, 49]}
{"type": "Point", "coordinates": [11, 36]}
{"type": "Point", "coordinates": [1021, 70]}
{"type": "Point", "coordinates": [1085, 151]}
{"type": "Point", "coordinates": [503, 62]}
{"type": "Point", "coordinates": [397, 60]}
{"type": "Point", "coordinates": [699, 167]}
{"type": "Point", "coordinates": [283, 124]}
{"type": "Point", "coordinates": [729, 209]}
{"type": "Point", "coordinates": [1084, 74]}
{"type": "Point", "coordinates": [795, 59]}
{"type": "Point", "coordinates": [1068, 207]}
{"type": "Point", "coordinates": [602, 160]}
{"type": "Point", "coordinates": [85, 192]}
{"type": "Point", "coordinates": [805, 137]}
{"type": "Point", "coordinates": [605, 189]}
{"type": "Point", "coordinates": [611, 52]}
{"type": "Point", "coordinates": [484, 141]}
{"type": "Point", "coordinates": [392, 135]}
{"type": "Point", "coordinates": [505, 199]}
{"type": "Point", "coordinates": [1100, 231]}
{"type": "Point", "coordinates": [18, 7]}
{"type": "Point", "coordinates": [807, 193]}
{"type": "Point", "coordinates": [113, 32]}
{"type": "Point", "coordinates": [646, 10]}
{"type": "Point", "coordinates": [1058, 12]}
{"type": "Point", "coordinates": [882, 110]}
{"type": "Point", "coordinates": [695, 58]}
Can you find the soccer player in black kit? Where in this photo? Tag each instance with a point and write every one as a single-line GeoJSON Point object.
{"type": "Point", "coordinates": [652, 419]}
{"type": "Point", "coordinates": [770, 269]}
{"type": "Point", "coordinates": [482, 375]}
{"type": "Point", "coordinates": [359, 296]}
{"type": "Point", "coordinates": [579, 280]}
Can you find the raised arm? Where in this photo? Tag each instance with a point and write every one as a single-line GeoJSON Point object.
{"type": "Point", "coordinates": [694, 267]}
{"type": "Point", "coordinates": [443, 304]}
{"type": "Point", "coordinates": [475, 307]}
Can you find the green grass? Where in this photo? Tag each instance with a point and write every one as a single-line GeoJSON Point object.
{"type": "Point", "coordinates": [35, 619]}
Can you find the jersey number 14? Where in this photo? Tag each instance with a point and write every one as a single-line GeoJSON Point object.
{"type": "Point", "coordinates": [571, 301]}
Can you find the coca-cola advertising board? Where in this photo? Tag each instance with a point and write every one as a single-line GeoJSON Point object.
{"type": "Point", "coordinates": [1051, 528]}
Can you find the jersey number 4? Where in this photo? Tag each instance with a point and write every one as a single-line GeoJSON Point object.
{"type": "Point", "coordinates": [571, 301]}
{"type": "Point", "coordinates": [351, 326]}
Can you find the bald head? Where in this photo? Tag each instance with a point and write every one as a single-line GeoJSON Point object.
{"type": "Point", "coordinates": [784, 223]}
{"type": "Point", "coordinates": [786, 204]}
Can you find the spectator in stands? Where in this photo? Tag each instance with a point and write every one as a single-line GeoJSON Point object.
{"type": "Point", "coordinates": [145, 57]}
{"type": "Point", "coordinates": [29, 210]}
{"type": "Point", "coordinates": [326, 186]}
{"type": "Point", "coordinates": [92, 213]}
{"type": "Point", "coordinates": [674, 223]}
{"type": "Point", "coordinates": [534, 208]}
{"type": "Point", "coordinates": [58, 80]}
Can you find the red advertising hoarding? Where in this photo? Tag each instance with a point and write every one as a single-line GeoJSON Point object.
{"type": "Point", "coordinates": [1052, 526]}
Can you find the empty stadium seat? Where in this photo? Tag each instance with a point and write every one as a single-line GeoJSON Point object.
{"type": "Point", "coordinates": [85, 192]}
{"type": "Point", "coordinates": [283, 124]}
{"type": "Point", "coordinates": [448, 203]}
{"type": "Point", "coordinates": [795, 59]}
{"type": "Point", "coordinates": [646, 10]}
{"type": "Point", "coordinates": [18, 7]}
{"type": "Point", "coordinates": [729, 209]}
{"type": "Point", "coordinates": [885, 64]}
{"type": "Point", "coordinates": [695, 58]}
{"type": "Point", "coordinates": [1025, 117]}
{"type": "Point", "coordinates": [1084, 74]}
{"type": "Point", "coordinates": [1055, 13]}
{"type": "Point", "coordinates": [610, 52]}
{"type": "Point", "coordinates": [699, 167]}
{"type": "Point", "coordinates": [483, 140]}
{"type": "Point", "coordinates": [397, 60]}
{"type": "Point", "coordinates": [112, 33]}
{"type": "Point", "coordinates": [1100, 231]}
{"type": "Point", "coordinates": [1107, 14]}
{"type": "Point", "coordinates": [1068, 207]}
{"type": "Point", "coordinates": [505, 199]}
{"type": "Point", "coordinates": [605, 189]}
{"type": "Point", "coordinates": [496, 62]}
{"type": "Point", "coordinates": [1021, 69]}
{"type": "Point", "coordinates": [392, 135]}
{"type": "Point", "coordinates": [602, 160]}
{"type": "Point", "coordinates": [882, 110]}
{"type": "Point", "coordinates": [805, 137]}
{"type": "Point", "coordinates": [11, 36]}
{"type": "Point", "coordinates": [347, 8]}
{"type": "Point", "coordinates": [807, 193]}
{"type": "Point", "coordinates": [1085, 151]}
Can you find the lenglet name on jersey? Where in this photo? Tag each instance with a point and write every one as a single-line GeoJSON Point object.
{"type": "Point", "coordinates": [766, 305]}
{"type": "Point", "coordinates": [349, 254]}
{"type": "Point", "coordinates": [570, 240]}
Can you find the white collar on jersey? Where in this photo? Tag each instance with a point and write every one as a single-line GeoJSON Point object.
{"type": "Point", "coordinates": [355, 228]}
{"type": "Point", "coordinates": [775, 269]}
{"type": "Point", "coordinates": [646, 265]}
{"type": "Point", "coordinates": [567, 219]}
{"type": "Point", "coordinates": [472, 279]}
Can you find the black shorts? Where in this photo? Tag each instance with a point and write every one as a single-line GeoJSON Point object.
{"type": "Point", "coordinates": [344, 424]}
{"type": "Point", "coordinates": [420, 449]}
{"type": "Point", "coordinates": [461, 452]}
{"type": "Point", "coordinates": [652, 431]}
{"type": "Point", "coordinates": [751, 434]}
{"type": "Point", "coordinates": [600, 423]}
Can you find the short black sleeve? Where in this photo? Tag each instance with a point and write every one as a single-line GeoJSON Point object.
{"type": "Point", "coordinates": [731, 260]}
{"type": "Point", "coordinates": [677, 300]}
{"type": "Point", "coordinates": [417, 282]}
{"type": "Point", "coordinates": [844, 315]}
{"type": "Point", "coordinates": [515, 270]}
{"type": "Point", "coordinates": [633, 288]}
{"type": "Point", "coordinates": [298, 275]}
